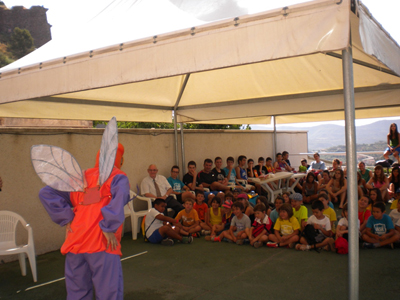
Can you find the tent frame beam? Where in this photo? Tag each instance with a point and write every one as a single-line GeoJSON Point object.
{"type": "Point", "coordinates": [289, 97]}
{"type": "Point", "coordinates": [364, 64]}
{"type": "Point", "coordinates": [185, 81]}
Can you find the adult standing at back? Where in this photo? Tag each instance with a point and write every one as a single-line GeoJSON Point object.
{"type": "Point", "coordinates": [393, 142]}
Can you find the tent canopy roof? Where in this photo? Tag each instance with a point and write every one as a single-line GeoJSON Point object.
{"type": "Point", "coordinates": [284, 63]}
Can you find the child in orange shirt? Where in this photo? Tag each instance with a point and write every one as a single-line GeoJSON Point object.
{"type": "Point", "coordinates": [189, 218]}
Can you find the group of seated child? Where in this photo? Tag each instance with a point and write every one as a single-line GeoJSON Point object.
{"type": "Point", "coordinates": [229, 216]}
{"type": "Point", "coordinates": [287, 225]}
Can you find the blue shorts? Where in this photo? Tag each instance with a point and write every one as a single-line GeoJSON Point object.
{"type": "Point", "coordinates": [156, 237]}
{"type": "Point", "coordinates": [395, 149]}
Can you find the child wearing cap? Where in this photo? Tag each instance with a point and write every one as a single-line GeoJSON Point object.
{"type": "Point", "coordinates": [248, 209]}
{"type": "Point", "coordinates": [300, 212]}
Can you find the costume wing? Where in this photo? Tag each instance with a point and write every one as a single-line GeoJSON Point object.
{"type": "Point", "coordinates": [57, 168]}
{"type": "Point", "coordinates": [108, 150]}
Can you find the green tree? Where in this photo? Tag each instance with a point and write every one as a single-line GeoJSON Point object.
{"type": "Point", "coordinates": [21, 42]}
{"type": "Point", "coordinates": [4, 60]}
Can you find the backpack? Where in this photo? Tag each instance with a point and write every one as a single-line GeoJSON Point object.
{"type": "Point", "coordinates": [312, 236]}
{"type": "Point", "coordinates": [342, 245]}
{"type": "Point", "coordinates": [142, 227]}
{"type": "Point", "coordinates": [309, 233]}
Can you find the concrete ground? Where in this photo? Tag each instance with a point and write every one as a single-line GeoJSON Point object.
{"type": "Point", "coordinates": [206, 270]}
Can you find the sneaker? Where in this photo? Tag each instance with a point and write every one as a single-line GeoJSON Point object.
{"type": "Point", "coordinates": [257, 245]}
{"type": "Point", "coordinates": [209, 237]}
{"type": "Point", "coordinates": [303, 247]}
{"type": "Point", "coordinates": [196, 235]}
{"type": "Point", "coordinates": [204, 232]}
{"type": "Point", "coordinates": [368, 246]}
{"type": "Point", "coordinates": [239, 242]}
{"type": "Point", "coordinates": [216, 239]}
{"type": "Point", "coordinates": [272, 245]}
{"type": "Point", "coordinates": [187, 239]}
{"type": "Point", "coordinates": [167, 242]}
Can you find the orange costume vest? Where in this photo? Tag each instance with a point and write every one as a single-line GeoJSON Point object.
{"type": "Point", "coordinates": [86, 235]}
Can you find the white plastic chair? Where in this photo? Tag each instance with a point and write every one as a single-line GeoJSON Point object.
{"type": "Point", "coordinates": [136, 215]}
{"type": "Point", "coordinates": [8, 226]}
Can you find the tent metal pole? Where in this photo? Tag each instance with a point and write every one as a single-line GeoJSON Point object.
{"type": "Point", "coordinates": [176, 139]}
{"type": "Point", "coordinates": [275, 143]}
{"type": "Point", "coordinates": [185, 81]}
{"type": "Point", "coordinates": [351, 157]}
{"type": "Point", "coordinates": [182, 150]}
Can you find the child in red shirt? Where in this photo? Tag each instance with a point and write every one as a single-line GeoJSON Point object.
{"type": "Point", "coordinates": [202, 210]}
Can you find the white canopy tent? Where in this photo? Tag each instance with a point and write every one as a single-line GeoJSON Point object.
{"type": "Point", "coordinates": [294, 63]}
{"type": "Point", "coordinates": [284, 63]}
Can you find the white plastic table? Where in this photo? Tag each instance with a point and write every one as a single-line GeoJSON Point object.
{"type": "Point", "coordinates": [297, 178]}
{"type": "Point", "coordinates": [271, 178]}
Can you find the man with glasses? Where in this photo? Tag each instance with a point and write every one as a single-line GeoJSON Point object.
{"type": "Point", "coordinates": [179, 189]}
{"type": "Point", "coordinates": [157, 186]}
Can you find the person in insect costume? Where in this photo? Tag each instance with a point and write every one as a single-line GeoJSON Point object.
{"type": "Point", "coordinates": [90, 204]}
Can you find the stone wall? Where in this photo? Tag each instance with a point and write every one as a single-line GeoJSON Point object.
{"type": "Point", "coordinates": [33, 19]}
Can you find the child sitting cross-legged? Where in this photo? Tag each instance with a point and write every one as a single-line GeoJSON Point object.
{"type": "Point", "coordinates": [202, 211]}
{"type": "Point", "coordinates": [286, 229]}
{"type": "Point", "coordinates": [319, 226]}
{"type": "Point", "coordinates": [260, 229]}
{"type": "Point", "coordinates": [238, 225]}
{"type": "Point", "coordinates": [380, 229]}
{"type": "Point", "coordinates": [219, 218]}
{"type": "Point", "coordinates": [158, 228]}
{"type": "Point", "coordinates": [189, 217]}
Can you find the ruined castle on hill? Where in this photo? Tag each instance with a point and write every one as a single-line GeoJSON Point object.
{"type": "Point", "coordinates": [33, 19]}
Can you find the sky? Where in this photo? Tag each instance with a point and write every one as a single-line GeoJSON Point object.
{"type": "Point", "coordinates": [66, 17]}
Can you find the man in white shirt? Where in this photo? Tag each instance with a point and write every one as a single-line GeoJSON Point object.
{"type": "Point", "coordinates": [157, 186]}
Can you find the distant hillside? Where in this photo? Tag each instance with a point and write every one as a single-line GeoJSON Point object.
{"type": "Point", "coordinates": [326, 136]}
